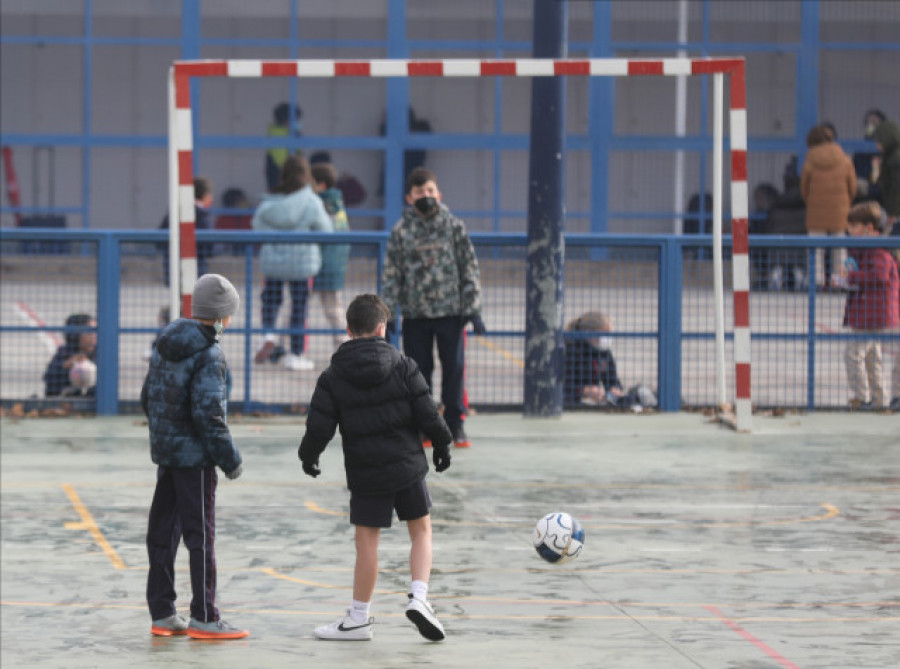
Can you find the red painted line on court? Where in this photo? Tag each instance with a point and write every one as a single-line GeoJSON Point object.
{"type": "Point", "coordinates": [740, 631]}
{"type": "Point", "coordinates": [30, 314]}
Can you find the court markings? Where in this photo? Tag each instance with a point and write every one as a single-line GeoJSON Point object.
{"type": "Point", "coordinates": [88, 523]}
{"type": "Point", "coordinates": [91, 606]}
{"type": "Point", "coordinates": [830, 511]}
{"type": "Point", "coordinates": [744, 634]}
{"type": "Point", "coordinates": [51, 340]}
{"type": "Point", "coordinates": [502, 352]}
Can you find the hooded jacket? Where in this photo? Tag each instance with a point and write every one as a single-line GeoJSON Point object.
{"type": "Point", "coordinates": [430, 267]}
{"type": "Point", "coordinates": [184, 398]}
{"type": "Point", "coordinates": [887, 133]}
{"type": "Point", "coordinates": [299, 211]}
{"type": "Point", "coordinates": [872, 303]}
{"type": "Point", "coordinates": [381, 402]}
{"type": "Point", "coordinates": [828, 186]}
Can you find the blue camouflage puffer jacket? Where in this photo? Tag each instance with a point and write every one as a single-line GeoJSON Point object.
{"type": "Point", "coordinates": [184, 399]}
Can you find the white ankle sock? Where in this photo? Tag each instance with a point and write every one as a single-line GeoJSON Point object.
{"type": "Point", "coordinates": [359, 611]}
{"type": "Point", "coordinates": [420, 590]}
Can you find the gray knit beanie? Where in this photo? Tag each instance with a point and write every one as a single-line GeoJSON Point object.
{"type": "Point", "coordinates": [214, 298]}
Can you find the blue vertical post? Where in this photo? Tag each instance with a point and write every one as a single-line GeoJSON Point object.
{"type": "Point", "coordinates": [190, 50]}
{"type": "Point", "coordinates": [397, 117]}
{"type": "Point", "coordinates": [87, 111]}
{"type": "Point", "coordinates": [669, 318]}
{"type": "Point", "coordinates": [806, 114]}
{"type": "Point", "coordinates": [601, 122]}
{"type": "Point", "coordinates": [108, 285]}
{"type": "Point", "coordinates": [546, 210]}
{"type": "Point", "coordinates": [498, 118]}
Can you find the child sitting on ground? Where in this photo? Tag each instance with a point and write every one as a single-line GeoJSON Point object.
{"type": "Point", "coordinates": [590, 367]}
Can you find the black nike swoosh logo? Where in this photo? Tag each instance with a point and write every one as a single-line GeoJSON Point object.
{"type": "Point", "coordinates": [350, 629]}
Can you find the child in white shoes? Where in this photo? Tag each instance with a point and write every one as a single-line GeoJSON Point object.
{"type": "Point", "coordinates": [382, 403]}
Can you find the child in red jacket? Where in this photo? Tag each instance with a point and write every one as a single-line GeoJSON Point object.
{"type": "Point", "coordinates": [873, 307]}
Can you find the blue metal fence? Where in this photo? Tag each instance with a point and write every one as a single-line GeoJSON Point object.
{"type": "Point", "coordinates": [658, 290]}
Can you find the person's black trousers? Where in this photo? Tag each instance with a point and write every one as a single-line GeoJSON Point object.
{"type": "Point", "coordinates": [272, 297]}
{"type": "Point", "coordinates": [419, 335]}
{"type": "Point", "coordinates": [183, 505]}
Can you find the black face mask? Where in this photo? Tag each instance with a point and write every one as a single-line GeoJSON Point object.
{"type": "Point", "coordinates": [425, 205]}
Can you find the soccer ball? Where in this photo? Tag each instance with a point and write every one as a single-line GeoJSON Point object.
{"type": "Point", "coordinates": [83, 374]}
{"type": "Point", "coordinates": [558, 537]}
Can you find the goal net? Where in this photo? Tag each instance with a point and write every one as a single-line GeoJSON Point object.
{"type": "Point", "coordinates": [183, 249]}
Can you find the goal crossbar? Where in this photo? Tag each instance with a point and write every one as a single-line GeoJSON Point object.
{"type": "Point", "coordinates": [183, 248]}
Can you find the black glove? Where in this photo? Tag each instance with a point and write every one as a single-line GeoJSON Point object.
{"type": "Point", "coordinates": [477, 325]}
{"type": "Point", "coordinates": [441, 459]}
{"type": "Point", "coordinates": [235, 473]}
{"type": "Point", "coordinates": [311, 469]}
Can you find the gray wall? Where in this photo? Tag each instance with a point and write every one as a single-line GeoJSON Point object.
{"type": "Point", "coordinates": [42, 93]}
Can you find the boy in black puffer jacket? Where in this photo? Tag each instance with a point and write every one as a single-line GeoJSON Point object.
{"type": "Point", "coordinates": [184, 398]}
{"type": "Point", "coordinates": [381, 402]}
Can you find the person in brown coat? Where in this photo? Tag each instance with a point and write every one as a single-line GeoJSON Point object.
{"type": "Point", "coordinates": [828, 186]}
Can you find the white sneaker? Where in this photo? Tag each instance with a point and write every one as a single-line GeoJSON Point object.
{"type": "Point", "coordinates": [297, 363]}
{"type": "Point", "coordinates": [422, 615]}
{"type": "Point", "coordinates": [346, 629]}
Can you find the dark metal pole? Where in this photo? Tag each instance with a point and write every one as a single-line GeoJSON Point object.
{"type": "Point", "coordinates": [544, 351]}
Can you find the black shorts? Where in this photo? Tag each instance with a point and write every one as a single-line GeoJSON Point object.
{"type": "Point", "coordinates": [378, 510]}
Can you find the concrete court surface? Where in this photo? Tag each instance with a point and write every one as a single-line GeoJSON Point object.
{"type": "Point", "coordinates": [704, 548]}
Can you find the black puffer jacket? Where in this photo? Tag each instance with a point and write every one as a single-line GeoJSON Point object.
{"type": "Point", "coordinates": [382, 404]}
{"type": "Point", "coordinates": [184, 399]}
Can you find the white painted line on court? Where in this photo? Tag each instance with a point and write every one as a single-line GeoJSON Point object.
{"type": "Point", "coordinates": [782, 549]}
{"type": "Point", "coordinates": [674, 549]}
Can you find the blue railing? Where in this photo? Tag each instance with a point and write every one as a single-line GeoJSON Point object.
{"type": "Point", "coordinates": [795, 329]}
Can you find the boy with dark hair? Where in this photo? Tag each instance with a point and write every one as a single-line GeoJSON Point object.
{"type": "Point", "coordinates": [431, 273]}
{"type": "Point", "coordinates": [184, 399]}
{"type": "Point", "coordinates": [380, 401]}
{"type": "Point", "coordinates": [203, 220]}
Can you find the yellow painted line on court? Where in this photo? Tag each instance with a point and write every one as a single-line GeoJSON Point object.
{"type": "Point", "coordinates": [317, 584]}
{"type": "Point", "coordinates": [490, 616]}
{"type": "Point", "coordinates": [88, 523]}
{"type": "Point", "coordinates": [483, 341]}
{"type": "Point", "coordinates": [315, 508]}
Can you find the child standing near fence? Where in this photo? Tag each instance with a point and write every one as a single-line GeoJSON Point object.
{"type": "Point", "coordinates": [329, 282]}
{"type": "Point", "coordinates": [873, 307]}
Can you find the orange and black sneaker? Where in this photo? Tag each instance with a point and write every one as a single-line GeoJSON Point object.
{"type": "Point", "coordinates": [460, 440]}
{"type": "Point", "coordinates": [216, 629]}
{"type": "Point", "coordinates": [173, 625]}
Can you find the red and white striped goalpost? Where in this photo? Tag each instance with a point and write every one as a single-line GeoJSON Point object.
{"type": "Point", "coordinates": [183, 247]}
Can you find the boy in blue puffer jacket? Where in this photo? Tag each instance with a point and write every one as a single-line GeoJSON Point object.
{"type": "Point", "coordinates": [184, 398]}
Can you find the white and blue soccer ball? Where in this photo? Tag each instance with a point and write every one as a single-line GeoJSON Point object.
{"type": "Point", "coordinates": [558, 537]}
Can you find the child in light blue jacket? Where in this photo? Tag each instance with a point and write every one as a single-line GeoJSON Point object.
{"type": "Point", "coordinates": [294, 207]}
